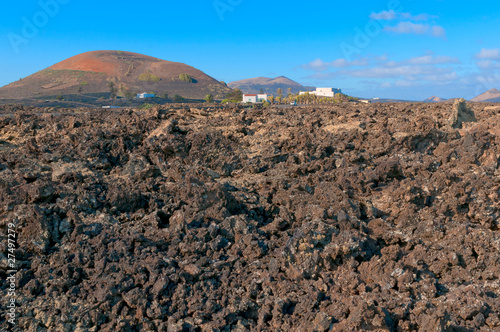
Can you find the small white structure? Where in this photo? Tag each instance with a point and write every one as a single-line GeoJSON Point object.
{"type": "Point", "coordinates": [262, 98]}
{"type": "Point", "coordinates": [323, 92]}
{"type": "Point", "coordinates": [250, 98]}
{"type": "Point", "coordinates": [145, 95]}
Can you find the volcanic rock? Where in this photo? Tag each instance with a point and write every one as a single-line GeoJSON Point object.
{"type": "Point", "coordinates": [377, 217]}
{"type": "Point", "coordinates": [461, 113]}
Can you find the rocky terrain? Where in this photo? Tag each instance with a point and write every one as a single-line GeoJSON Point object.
{"type": "Point", "coordinates": [380, 217]}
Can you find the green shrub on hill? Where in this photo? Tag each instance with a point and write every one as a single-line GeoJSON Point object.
{"type": "Point", "coordinates": [185, 78]}
{"type": "Point", "coordinates": [178, 99]}
{"type": "Point", "coordinates": [148, 77]}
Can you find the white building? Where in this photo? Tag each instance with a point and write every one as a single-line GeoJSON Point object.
{"type": "Point", "coordinates": [145, 95]}
{"type": "Point", "coordinates": [247, 98]}
{"type": "Point", "coordinates": [261, 98]}
{"type": "Point", "coordinates": [323, 92]}
{"type": "Point", "coordinates": [250, 98]}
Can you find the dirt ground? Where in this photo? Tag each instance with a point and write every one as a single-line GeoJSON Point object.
{"type": "Point", "coordinates": [377, 217]}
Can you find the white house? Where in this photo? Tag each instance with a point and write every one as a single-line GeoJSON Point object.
{"type": "Point", "coordinates": [250, 98]}
{"type": "Point", "coordinates": [323, 92]}
{"type": "Point", "coordinates": [247, 98]}
{"type": "Point", "coordinates": [145, 95]}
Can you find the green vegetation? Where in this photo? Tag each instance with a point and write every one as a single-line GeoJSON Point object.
{"type": "Point", "coordinates": [309, 98]}
{"type": "Point", "coordinates": [164, 95]}
{"type": "Point", "coordinates": [149, 77]}
{"type": "Point", "coordinates": [70, 72]}
{"type": "Point", "coordinates": [84, 83]}
{"type": "Point", "coordinates": [185, 78]}
{"type": "Point", "coordinates": [178, 99]}
{"type": "Point", "coordinates": [235, 96]}
{"type": "Point", "coordinates": [129, 95]}
{"type": "Point", "coordinates": [209, 98]}
{"type": "Point", "coordinates": [147, 106]}
{"type": "Point", "coordinates": [112, 89]}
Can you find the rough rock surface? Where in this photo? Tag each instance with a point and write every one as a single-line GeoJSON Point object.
{"type": "Point", "coordinates": [461, 113]}
{"type": "Point", "coordinates": [373, 217]}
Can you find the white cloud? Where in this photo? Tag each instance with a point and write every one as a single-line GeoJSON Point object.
{"type": "Point", "coordinates": [419, 17]}
{"type": "Point", "coordinates": [384, 15]}
{"type": "Point", "coordinates": [438, 31]}
{"type": "Point", "coordinates": [432, 60]}
{"type": "Point", "coordinates": [343, 63]}
{"type": "Point", "coordinates": [381, 58]}
{"type": "Point", "coordinates": [408, 27]}
{"type": "Point", "coordinates": [320, 65]}
{"type": "Point", "coordinates": [392, 15]}
{"type": "Point", "coordinates": [405, 84]}
{"type": "Point", "coordinates": [407, 71]}
{"type": "Point", "coordinates": [489, 54]}
{"type": "Point", "coordinates": [416, 71]}
{"type": "Point", "coordinates": [316, 65]}
{"type": "Point", "coordinates": [488, 64]}
{"type": "Point", "coordinates": [418, 29]}
{"type": "Point", "coordinates": [452, 76]}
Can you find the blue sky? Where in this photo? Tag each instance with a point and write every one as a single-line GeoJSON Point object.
{"type": "Point", "coordinates": [405, 49]}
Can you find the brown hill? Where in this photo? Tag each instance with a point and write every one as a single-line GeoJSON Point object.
{"type": "Point", "coordinates": [492, 95]}
{"type": "Point", "coordinates": [130, 73]}
{"type": "Point", "coordinates": [434, 99]}
{"type": "Point", "coordinates": [268, 85]}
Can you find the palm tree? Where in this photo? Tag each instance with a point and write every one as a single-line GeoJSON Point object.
{"type": "Point", "coordinates": [307, 97]}
{"type": "Point", "coordinates": [280, 92]}
{"type": "Point", "coordinates": [301, 98]}
{"type": "Point", "coordinates": [314, 98]}
{"type": "Point", "coordinates": [112, 89]}
{"type": "Point", "coordinates": [209, 98]}
{"type": "Point", "coordinates": [271, 99]}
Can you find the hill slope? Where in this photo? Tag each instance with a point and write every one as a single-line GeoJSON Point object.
{"type": "Point", "coordinates": [492, 95]}
{"type": "Point", "coordinates": [434, 99]}
{"type": "Point", "coordinates": [269, 85]}
{"type": "Point", "coordinates": [92, 72]}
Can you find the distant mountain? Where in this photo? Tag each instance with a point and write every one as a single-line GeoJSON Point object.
{"type": "Point", "coordinates": [96, 73]}
{"type": "Point", "coordinates": [269, 85]}
{"type": "Point", "coordinates": [491, 96]}
{"type": "Point", "coordinates": [434, 99]}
